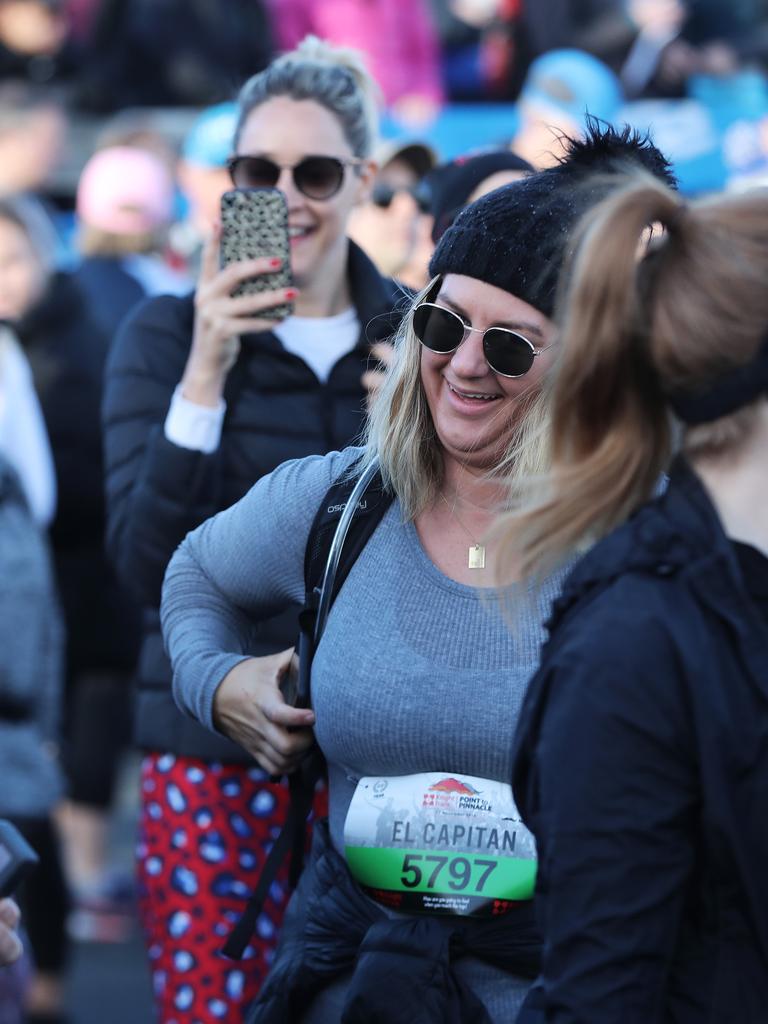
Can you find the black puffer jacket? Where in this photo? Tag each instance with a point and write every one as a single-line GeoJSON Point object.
{"type": "Point", "coordinates": [157, 492]}
{"type": "Point", "coordinates": [402, 965]}
{"type": "Point", "coordinates": [642, 770]}
{"type": "Point", "coordinates": [110, 290]}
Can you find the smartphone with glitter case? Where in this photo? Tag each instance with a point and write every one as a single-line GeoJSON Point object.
{"type": "Point", "coordinates": [254, 223]}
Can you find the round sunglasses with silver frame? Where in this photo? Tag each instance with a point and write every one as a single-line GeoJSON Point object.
{"type": "Point", "coordinates": [507, 352]}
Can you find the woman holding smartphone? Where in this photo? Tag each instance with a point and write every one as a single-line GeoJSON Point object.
{"type": "Point", "coordinates": [205, 395]}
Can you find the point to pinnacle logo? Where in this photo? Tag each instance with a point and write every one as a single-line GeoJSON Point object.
{"type": "Point", "coordinates": [451, 794]}
{"type": "Point", "coordinates": [454, 786]}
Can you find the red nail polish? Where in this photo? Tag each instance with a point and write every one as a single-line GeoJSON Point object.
{"type": "Point", "coordinates": [275, 262]}
{"type": "Point", "coordinates": [291, 293]}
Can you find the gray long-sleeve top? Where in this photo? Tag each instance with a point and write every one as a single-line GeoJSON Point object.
{"type": "Point", "coordinates": [415, 672]}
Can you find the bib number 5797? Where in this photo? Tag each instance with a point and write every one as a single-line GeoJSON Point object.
{"type": "Point", "coordinates": [428, 869]}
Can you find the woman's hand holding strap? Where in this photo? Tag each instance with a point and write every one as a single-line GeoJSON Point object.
{"type": "Point", "coordinates": [250, 708]}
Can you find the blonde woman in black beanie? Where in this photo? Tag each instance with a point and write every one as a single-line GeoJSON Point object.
{"type": "Point", "coordinates": [414, 903]}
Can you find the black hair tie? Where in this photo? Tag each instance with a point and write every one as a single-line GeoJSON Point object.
{"type": "Point", "coordinates": [733, 391]}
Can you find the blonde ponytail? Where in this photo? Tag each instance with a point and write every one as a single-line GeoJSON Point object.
{"type": "Point", "coordinates": [635, 328]}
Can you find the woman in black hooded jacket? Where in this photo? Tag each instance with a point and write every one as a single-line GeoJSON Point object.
{"type": "Point", "coordinates": [642, 751]}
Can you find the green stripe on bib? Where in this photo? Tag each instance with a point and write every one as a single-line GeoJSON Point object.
{"type": "Point", "coordinates": [468, 874]}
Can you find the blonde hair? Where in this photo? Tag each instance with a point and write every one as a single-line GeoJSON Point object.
{"type": "Point", "coordinates": [694, 307]}
{"type": "Point", "coordinates": [333, 76]}
{"type": "Point", "coordinates": [401, 435]}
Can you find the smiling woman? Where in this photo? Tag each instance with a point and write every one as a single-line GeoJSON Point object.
{"type": "Point", "coordinates": [204, 396]}
{"type": "Point", "coordinates": [475, 399]}
{"type": "Point", "coordinates": [300, 146]}
{"type": "Point", "coordinates": [416, 682]}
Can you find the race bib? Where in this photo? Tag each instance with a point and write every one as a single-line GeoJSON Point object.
{"type": "Point", "coordinates": [439, 843]}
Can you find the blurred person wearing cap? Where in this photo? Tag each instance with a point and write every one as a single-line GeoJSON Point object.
{"type": "Point", "coordinates": [561, 90]}
{"type": "Point", "coordinates": [139, 129]}
{"type": "Point", "coordinates": [448, 188]}
{"type": "Point", "coordinates": [452, 186]}
{"type": "Point", "coordinates": [124, 206]}
{"type": "Point", "coordinates": [386, 226]}
{"type": "Point", "coordinates": [456, 184]}
{"type": "Point", "coordinates": [392, 226]}
{"type": "Point", "coordinates": [202, 176]}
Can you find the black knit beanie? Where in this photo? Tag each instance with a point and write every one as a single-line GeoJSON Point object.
{"type": "Point", "coordinates": [515, 237]}
{"type": "Point", "coordinates": [450, 185]}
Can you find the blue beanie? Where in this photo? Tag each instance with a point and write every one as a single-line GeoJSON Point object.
{"type": "Point", "coordinates": [576, 83]}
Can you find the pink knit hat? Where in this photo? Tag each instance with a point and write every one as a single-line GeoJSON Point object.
{"type": "Point", "coordinates": [125, 191]}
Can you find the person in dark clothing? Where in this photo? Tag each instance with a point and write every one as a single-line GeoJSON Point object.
{"type": "Point", "coordinates": [32, 132]}
{"type": "Point", "coordinates": [205, 395]}
{"type": "Point", "coordinates": [66, 352]}
{"type": "Point", "coordinates": [641, 757]}
{"type": "Point", "coordinates": [31, 648]}
{"type": "Point", "coordinates": [172, 52]}
{"type": "Point", "coordinates": [456, 184]}
{"type": "Point", "coordinates": [43, 310]}
{"type": "Point", "coordinates": [35, 45]}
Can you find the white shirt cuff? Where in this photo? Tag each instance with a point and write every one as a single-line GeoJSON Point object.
{"type": "Point", "coordinates": [189, 425]}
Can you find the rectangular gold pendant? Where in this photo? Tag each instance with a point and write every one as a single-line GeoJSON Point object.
{"type": "Point", "coordinates": [477, 557]}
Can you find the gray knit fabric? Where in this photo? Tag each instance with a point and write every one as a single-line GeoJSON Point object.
{"type": "Point", "coordinates": [415, 672]}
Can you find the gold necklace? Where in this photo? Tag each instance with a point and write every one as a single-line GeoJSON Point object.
{"type": "Point", "coordinates": [476, 554]}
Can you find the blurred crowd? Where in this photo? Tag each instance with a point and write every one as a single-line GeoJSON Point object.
{"type": "Point", "coordinates": [74, 262]}
{"type": "Point", "coordinates": [109, 54]}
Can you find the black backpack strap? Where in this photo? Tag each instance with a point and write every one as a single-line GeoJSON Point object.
{"type": "Point", "coordinates": [302, 791]}
{"type": "Point", "coordinates": [371, 502]}
{"type": "Point", "coordinates": [371, 506]}
{"type": "Point", "coordinates": [330, 554]}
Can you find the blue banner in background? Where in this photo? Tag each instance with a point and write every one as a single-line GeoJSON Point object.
{"type": "Point", "coordinates": [460, 128]}
{"type": "Point", "coordinates": [716, 137]}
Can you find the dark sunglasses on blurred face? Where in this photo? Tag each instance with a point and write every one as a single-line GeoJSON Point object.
{"type": "Point", "coordinates": [440, 330]}
{"type": "Point", "coordinates": [316, 177]}
{"type": "Point", "coordinates": [383, 195]}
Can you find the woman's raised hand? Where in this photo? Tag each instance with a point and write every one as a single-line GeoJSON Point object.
{"type": "Point", "coordinates": [220, 319]}
{"type": "Point", "coordinates": [250, 708]}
